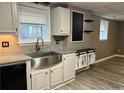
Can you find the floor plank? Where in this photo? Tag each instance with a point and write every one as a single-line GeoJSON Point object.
{"type": "Point", "coordinates": [106, 75]}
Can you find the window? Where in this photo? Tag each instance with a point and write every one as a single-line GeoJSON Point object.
{"type": "Point", "coordinates": [34, 23]}
{"type": "Point", "coordinates": [103, 30]}
{"type": "Point", "coordinates": [29, 33]}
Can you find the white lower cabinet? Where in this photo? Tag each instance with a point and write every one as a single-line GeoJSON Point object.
{"type": "Point", "coordinates": [40, 80]}
{"type": "Point", "coordinates": [56, 75]}
{"type": "Point", "coordinates": [46, 78]}
{"type": "Point", "coordinates": [69, 61]}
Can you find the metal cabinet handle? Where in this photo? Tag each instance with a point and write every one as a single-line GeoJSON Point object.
{"type": "Point", "coordinates": [51, 71]}
{"type": "Point", "coordinates": [61, 30]}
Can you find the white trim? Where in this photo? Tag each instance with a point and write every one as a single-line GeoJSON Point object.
{"type": "Point", "coordinates": [33, 44]}
{"type": "Point", "coordinates": [103, 59]}
{"type": "Point", "coordinates": [28, 70]}
{"type": "Point", "coordinates": [109, 57]}
{"type": "Point", "coordinates": [117, 55]}
{"type": "Point", "coordinates": [63, 84]}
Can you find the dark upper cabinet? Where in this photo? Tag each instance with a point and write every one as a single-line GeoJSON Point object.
{"type": "Point", "coordinates": [77, 26]}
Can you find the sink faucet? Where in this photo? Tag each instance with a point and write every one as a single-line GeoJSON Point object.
{"type": "Point", "coordinates": [37, 44]}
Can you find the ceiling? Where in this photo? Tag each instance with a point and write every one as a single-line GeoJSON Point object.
{"type": "Point", "coordinates": [111, 10]}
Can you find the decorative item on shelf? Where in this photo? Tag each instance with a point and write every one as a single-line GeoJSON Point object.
{"type": "Point", "coordinates": [88, 25]}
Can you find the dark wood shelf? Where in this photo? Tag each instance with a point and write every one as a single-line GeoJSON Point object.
{"type": "Point", "coordinates": [89, 20]}
{"type": "Point", "coordinates": [87, 31]}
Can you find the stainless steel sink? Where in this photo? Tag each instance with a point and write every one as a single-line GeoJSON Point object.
{"type": "Point", "coordinates": [45, 59]}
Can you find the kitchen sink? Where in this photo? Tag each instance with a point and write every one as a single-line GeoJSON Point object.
{"type": "Point", "coordinates": [45, 59]}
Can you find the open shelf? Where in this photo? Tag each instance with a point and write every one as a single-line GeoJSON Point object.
{"type": "Point", "coordinates": [89, 20]}
{"type": "Point", "coordinates": [87, 31]}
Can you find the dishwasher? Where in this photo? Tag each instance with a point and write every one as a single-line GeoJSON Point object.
{"type": "Point", "coordinates": [13, 77]}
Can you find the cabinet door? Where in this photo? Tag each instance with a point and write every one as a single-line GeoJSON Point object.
{"type": "Point", "coordinates": [65, 21]}
{"type": "Point", "coordinates": [6, 17]}
{"type": "Point", "coordinates": [56, 75]}
{"type": "Point", "coordinates": [40, 80]}
{"type": "Point", "coordinates": [69, 61]}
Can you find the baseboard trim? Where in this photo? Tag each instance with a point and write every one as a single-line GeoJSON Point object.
{"type": "Point", "coordinates": [63, 84]}
{"type": "Point", "coordinates": [103, 59]}
{"type": "Point", "coordinates": [117, 55]}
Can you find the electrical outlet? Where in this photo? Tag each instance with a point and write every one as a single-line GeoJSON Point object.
{"type": "Point", "coordinates": [5, 44]}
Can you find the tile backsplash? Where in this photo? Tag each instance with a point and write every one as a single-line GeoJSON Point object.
{"type": "Point", "coordinates": [15, 48]}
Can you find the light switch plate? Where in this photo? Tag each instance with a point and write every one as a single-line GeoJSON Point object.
{"type": "Point", "coordinates": [5, 44]}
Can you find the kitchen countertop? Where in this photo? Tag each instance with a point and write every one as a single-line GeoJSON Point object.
{"type": "Point", "coordinates": [66, 52]}
{"type": "Point", "coordinates": [7, 59]}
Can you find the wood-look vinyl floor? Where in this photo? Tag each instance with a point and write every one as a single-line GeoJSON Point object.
{"type": "Point", "coordinates": [106, 75]}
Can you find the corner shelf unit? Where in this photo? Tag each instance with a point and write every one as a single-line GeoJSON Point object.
{"type": "Point", "coordinates": [89, 23]}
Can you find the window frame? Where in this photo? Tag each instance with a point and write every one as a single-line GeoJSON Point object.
{"type": "Point", "coordinates": [47, 22]}
{"type": "Point", "coordinates": [107, 30]}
